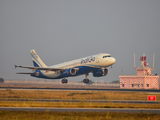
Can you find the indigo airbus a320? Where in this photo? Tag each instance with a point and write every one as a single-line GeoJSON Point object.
{"type": "Point", "coordinates": [96, 64]}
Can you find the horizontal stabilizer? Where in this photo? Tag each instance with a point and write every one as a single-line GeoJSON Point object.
{"type": "Point", "coordinates": [26, 73]}
{"type": "Point", "coordinates": [41, 68]}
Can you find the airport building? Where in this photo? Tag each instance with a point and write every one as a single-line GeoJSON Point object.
{"type": "Point", "coordinates": [143, 80]}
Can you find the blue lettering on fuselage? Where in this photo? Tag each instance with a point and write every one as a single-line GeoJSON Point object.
{"type": "Point", "coordinates": [87, 60]}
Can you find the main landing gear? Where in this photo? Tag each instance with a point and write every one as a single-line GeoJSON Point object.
{"type": "Point", "coordinates": [86, 80]}
{"type": "Point", "coordinates": [64, 80]}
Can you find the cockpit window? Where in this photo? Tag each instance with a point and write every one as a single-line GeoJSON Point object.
{"type": "Point", "coordinates": [106, 56]}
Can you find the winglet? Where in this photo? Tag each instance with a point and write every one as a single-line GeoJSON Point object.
{"type": "Point", "coordinates": [15, 66]}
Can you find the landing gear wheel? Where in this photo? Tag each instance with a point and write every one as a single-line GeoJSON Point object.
{"type": "Point", "coordinates": [64, 81]}
{"type": "Point", "coordinates": [86, 80]}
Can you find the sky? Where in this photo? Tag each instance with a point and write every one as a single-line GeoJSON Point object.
{"type": "Point", "coordinates": [64, 30]}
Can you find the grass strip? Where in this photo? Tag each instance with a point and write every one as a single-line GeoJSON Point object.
{"type": "Point", "coordinates": [78, 95]}
{"type": "Point", "coordinates": [25, 115]}
{"type": "Point", "coordinates": [76, 105]}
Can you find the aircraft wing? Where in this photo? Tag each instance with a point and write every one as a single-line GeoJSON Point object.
{"type": "Point", "coordinates": [40, 68]}
{"type": "Point", "coordinates": [25, 73]}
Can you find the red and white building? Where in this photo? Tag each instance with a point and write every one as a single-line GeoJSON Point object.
{"type": "Point", "coordinates": [143, 80]}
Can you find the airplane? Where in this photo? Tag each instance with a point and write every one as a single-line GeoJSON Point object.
{"type": "Point", "coordinates": [95, 63]}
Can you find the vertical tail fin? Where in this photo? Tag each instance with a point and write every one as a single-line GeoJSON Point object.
{"type": "Point", "coordinates": [37, 62]}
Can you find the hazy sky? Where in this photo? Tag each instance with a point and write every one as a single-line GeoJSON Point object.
{"type": "Point", "coordinates": [63, 30]}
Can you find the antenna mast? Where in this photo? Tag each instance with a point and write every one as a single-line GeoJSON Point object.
{"type": "Point", "coordinates": [153, 60]}
{"type": "Point", "coordinates": [143, 59]}
{"type": "Point", "coordinates": [134, 62]}
{"type": "Point", "coordinates": [122, 70]}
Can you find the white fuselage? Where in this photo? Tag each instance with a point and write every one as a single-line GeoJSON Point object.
{"type": "Point", "coordinates": [95, 61]}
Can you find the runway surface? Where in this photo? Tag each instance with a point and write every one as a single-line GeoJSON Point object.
{"type": "Point", "coordinates": [88, 101]}
{"type": "Point", "coordinates": [81, 89]}
{"type": "Point", "coordinates": [126, 110]}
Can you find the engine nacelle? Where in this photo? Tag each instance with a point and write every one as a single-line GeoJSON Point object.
{"type": "Point", "coordinates": [100, 72]}
{"type": "Point", "coordinates": [72, 71]}
{"type": "Point", "coordinates": [68, 72]}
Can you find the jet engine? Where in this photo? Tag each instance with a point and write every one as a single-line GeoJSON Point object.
{"type": "Point", "coordinates": [71, 71]}
{"type": "Point", "coordinates": [100, 72]}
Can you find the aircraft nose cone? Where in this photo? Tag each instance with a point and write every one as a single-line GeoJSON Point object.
{"type": "Point", "coordinates": [113, 60]}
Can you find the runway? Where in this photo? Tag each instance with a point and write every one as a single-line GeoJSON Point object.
{"type": "Point", "coordinates": [126, 110]}
{"type": "Point", "coordinates": [88, 101]}
{"type": "Point", "coordinates": [82, 89]}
